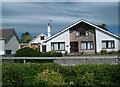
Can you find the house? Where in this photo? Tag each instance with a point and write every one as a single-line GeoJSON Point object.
{"type": "Point", "coordinates": [9, 42]}
{"type": "Point", "coordinates": [38, 41]}
{"type": "Point", "coordinates": [81, 36]}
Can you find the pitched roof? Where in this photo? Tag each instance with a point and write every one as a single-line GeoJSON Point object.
{"type": "Point", "coordinates": [65, 29]}
{"type": "Point", "coordinates": [42, 34]}
{"type": "Point", "coordinates": [4, 33]}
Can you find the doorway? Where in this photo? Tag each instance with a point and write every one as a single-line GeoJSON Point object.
{"type": "Point", "coordinates": [73, 46]}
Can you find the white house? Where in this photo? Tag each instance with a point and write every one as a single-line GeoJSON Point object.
{"type": "Point", "coordinates": [38, 41]}
{"type": "Point", "coordinates": [81, 36]}
{"type": "Point", "coordinates": [9, 42]}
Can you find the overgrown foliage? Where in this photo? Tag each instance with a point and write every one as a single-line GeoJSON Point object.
{"type": "Point", "coordinates": [50, 74]}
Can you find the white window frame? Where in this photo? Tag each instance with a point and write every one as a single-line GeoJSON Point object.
{"type": "Point", "coordinates": [88, 45]}
{"type": "Point", "coordinates": [58, 46]}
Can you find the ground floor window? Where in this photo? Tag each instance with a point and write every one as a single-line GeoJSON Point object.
{"type": "Point", "coordinates": [86, 44]}
{"type": "Point", "coordinates": [58, 46]}
{"type": "Point", "coordinates": [8, 51]}
{"type": "Point", "coordinates": [108, 44]}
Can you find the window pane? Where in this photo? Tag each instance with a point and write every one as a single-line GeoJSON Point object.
{"type": "Point", "coordinates": [55, 46]}
{"type": "Point", "coordinates": [103, 44]}
{"type": "Point", "coordinates": [109, 44]}
{"type": "Point", "coordinates": [88, 45]}
{"type": "Point", "coordinates": [82, 33]}
{"type": "Point", "coordinates": [52, 46]}
{"type": "Point", "coordinates": [112, 44]}
{"type": "Point", "coordinates": [83, 45]}
{"type": "Point", "coordinates": [86, 33]}
{"type": "Point", "coordinates": [91, 45]}
{"type": "Point", "coordinates": [62, 46]}
{"type": "Point", "coordinates": [77, 33]}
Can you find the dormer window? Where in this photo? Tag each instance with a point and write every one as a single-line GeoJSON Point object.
{"type": "Point", "coordinates": [42, 38]}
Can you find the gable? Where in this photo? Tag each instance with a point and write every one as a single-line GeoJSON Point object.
{"type": "Point", "coordinates": [38, 38]}
{"type": "Point", "coordinates": [83, 23]}
{"type": "Point", "coordinates": [7, 34]}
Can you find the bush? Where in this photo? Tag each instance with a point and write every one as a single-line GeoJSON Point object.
{"type": "Point", "coordinates": [49, 74]}
{"type": "Point", "coordinates": [27, 52]}
{"type": "Point", "coordinates": [30, 52]}
{"type": "Point", "coordinates": [50, 77]}
{"type": "Point", "coordinates": [53, 54]}
{"type": "Point", "coordinates": [103, 51]}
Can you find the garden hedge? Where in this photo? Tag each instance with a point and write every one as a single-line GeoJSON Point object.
{"type": "Point", "coordinates": [49, 74]}
{"type": "Point", "coordinates": [30, 52]}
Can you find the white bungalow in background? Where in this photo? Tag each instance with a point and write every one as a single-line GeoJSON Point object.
{"type": "Point", "coordinates": [81, 36]}
{"type": "Point", "coordinates": [9, 42]}
{"type": "Point", "coordinates": [38, 41]}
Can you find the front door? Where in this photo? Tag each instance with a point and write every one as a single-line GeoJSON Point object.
{"type": "Point", "coordinates": [43, 48]}
{"type": "Point", "coordinates": [73, 46]}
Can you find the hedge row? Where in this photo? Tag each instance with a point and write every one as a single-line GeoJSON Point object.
{"type": "Point", "coordinates": [50, 74]}
{"type": "Point", "coordinates": [30, 52]}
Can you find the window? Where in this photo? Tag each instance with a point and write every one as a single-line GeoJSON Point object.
{"type": "Point", "coordinates": [108, 44]}
{"type": "Point", "coordinates": [58, 46]}
{"type": "Point", "coordinates": [77, 33]}
{"type": "Point", "coordinates": [82, 33]}
{"type": "Point", "coordinates": [87, 45]}
{"type": "Point", "coordinates": [8, 51]}
{"type": "Point", "coordinates": [42, 37]}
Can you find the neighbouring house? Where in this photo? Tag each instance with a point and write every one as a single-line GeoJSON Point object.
{"type": "Point", "coordinates": [37, 41]}
{"type": "Point", "coordinates": [9, 42]}
{"type": "Point", "coordinates": [81, 36]}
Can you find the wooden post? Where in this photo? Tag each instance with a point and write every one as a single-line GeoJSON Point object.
{"type": "Point", "coordinates": [24, 61]}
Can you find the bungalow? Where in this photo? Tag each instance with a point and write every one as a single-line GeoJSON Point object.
{"type": "Point", "coordinates": [81, 36]}
{"type": "Point", "coordinates": [9, 42]}
{"type": "Point", "coordinates": [38, 41]}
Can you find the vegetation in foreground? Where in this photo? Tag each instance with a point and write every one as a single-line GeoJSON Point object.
{"type": "Point", "coordinates": [51, 74]}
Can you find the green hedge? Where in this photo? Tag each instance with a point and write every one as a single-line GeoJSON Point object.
{"type": "Point", "coordinates": [30, 52]}
{"type": "Point", "coordinates": [49, 74]}
{"type": "Point", "coordinates": [27, 52]}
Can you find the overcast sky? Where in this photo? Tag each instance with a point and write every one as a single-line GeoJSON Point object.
{"type": "Point", "coordinates": [34, 16]}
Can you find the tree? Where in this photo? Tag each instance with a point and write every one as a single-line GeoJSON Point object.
{"type": "Point", "coordinates": [26, 37]}
{"type": "Point", "coordinates": [103, 26]}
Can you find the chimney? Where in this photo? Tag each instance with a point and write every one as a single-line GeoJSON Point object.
{"type": "Point", "coordinates": [49, 29]}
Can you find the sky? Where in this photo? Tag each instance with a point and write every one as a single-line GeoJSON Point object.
{"type": "Point", "coordinates": [33, 17]}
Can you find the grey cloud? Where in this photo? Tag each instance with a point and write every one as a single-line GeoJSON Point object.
{"type": "Point", "coordinates": [62, 14]}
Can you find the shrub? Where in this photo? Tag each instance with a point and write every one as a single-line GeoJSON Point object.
{"type": "Point", "coordinates": [103, 51]}
{"type": "Point", "coordinates": [52, 54]}
{"type": "Point", "coordinates": [50, 77]}
{"type": "Point", "coordinates": [30, 52]}
{"type": "Point", "coordinates": [27, 52]}
{"type": "Point", "coordinates": [45, 74]}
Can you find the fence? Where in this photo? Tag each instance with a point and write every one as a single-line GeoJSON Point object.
{"type": "Point", "coordinates": [71, 60]}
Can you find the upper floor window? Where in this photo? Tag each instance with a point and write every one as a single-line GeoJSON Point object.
{"type": "Point", "coordinates": [82, 33]}
{"type": "Point", "coordinates": [108, 44]}
{"type": "Point", "coordinates": [42, 37]}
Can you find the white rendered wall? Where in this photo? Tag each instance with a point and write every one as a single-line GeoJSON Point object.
{"type": "Point", "coordinates": [2, 47]}
{"type": "Point", "coordinates": [38, 40]}
{"type": "Point", "coordinates": [12, 44]}
{"type": "Point", "coordinates": [103, 36]}
{"type": "Point", "coordinates": [64, 37]}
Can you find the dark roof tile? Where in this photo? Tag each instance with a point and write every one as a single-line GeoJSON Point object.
{"type": "Point", "coordinates": [4, 33]}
